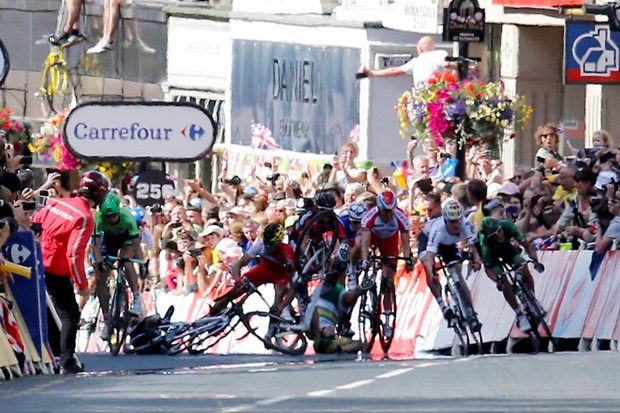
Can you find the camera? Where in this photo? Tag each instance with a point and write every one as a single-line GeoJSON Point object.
{"type": "Point", "coordinates": [25, 160]}
{"type": "Point", "coordinates": [195, 252]}
{"type": "Point", "coordinates": [235, 180]}
{"type": "Point", "coordinates": [534, 200]}
{"type": "Point", "coordinates": [157, 209]}
{"type": "Point", "coordinates": [595, 203]}
{"type": "Point", "coordinates": [384, 181]}
{"type": "Point", "coordinates": [43, 197]}
{"type": "Point", "coordinates": [176, 224]}
{"type": "Point", "coordinates": [273, 178]}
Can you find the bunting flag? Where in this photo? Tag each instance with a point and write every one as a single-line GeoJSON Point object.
{"type": "Point", "coordinates": [354, 135]}
{"type": "Point", "coordinates": [262, 137]}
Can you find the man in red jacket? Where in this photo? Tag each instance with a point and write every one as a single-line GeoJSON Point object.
{"type": "Point", "coordinates": [67, 225]}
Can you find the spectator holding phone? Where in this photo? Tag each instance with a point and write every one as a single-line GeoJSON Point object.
{"type": "Point", "coordinates": [548, 141]}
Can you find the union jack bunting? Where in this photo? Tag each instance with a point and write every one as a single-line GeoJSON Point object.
{"type": "Point", "coordinates": [262, 137]}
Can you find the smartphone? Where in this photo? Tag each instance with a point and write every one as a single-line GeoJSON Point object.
{"type": "Point", "coordinates": [29, 206]}
{"type": "Point", "coordinates": [413, 138]}
{"type": "Point", "coordinates": [540, 159]}
{"type": "Point", "coordinates": [195, 252]}
{"type": "Point", "coordinates": [43, 197]}
{"type": "Point", "coordinates": [25, 160]}
{"type": "Point", "coordinates": [176, 224]}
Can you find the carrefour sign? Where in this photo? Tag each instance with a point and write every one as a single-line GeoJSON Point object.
{"type": "Point", "coordinates": [140, 131]}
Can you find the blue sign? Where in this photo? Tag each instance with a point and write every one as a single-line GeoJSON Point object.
{"type": "Point", "coordinates": [29, 292]}
{"type": "Point", "coordinates": [300, 98]}
{"type": "Point", "coordinates": [592, 54]}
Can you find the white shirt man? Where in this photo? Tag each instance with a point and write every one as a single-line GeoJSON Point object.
{"type": "Point", "coordinates": [429, 60]}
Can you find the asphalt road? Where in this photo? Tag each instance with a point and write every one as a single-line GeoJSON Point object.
{"type": "Point", "coordinates": [564, 382]}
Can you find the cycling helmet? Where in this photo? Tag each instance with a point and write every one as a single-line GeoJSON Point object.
{"type": "Point", "coordinates": [452, 210]}
{"type": "Point", "coordinates": [273, 234]}
{"type": "Point", "coordinates": [357, 210]}
{"type": "Point", "coordinates": [93, 185]}
{"type": "Point", "coordinates": [489, 226]}
{"type": "Point", "coordinates": [386, 200]}
{"type": "Point", "coordinates": [139, 214]}
{"type": "Point", "coordinates": [325, 200]}
{"type": "Point", "coordinates": [111, 205]}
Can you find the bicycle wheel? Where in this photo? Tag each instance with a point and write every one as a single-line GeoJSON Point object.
{"type": "Point", "coordinates": [460, 346]}
{"type": "Point", "coordinates": [316, 244]}
{"type": "Point", "coordinates": [535, 313]}
{"type": "Point", "coordinates": [368, 318]}
{"type": "Point", "coordinates": [275, 332]}
{"type": "Point", "coordinates": [386, 337]}
{"type": "Point", "coordinates": [119, 319]}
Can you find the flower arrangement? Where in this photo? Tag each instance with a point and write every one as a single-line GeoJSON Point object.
{"type": "Point", "coordinates": [471, 111]}
{"type": "Point", "coordinates": [49, 147]}
{"type": "Point", "coordinates": [14, 131]}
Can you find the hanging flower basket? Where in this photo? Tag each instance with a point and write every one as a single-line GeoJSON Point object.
{"type": "Point", "coordinates": [14, 131]}
{"type": "Point", "coordinates": [472, 112]}
{"type": "Point", "coordinates": [48, 148]}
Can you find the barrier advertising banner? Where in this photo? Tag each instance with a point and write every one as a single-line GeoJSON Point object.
{"type": "Point", "coordinates": [29, 292]}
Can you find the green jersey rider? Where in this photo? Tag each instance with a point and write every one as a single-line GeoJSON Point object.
{"type": "Point", "coordinates": [116, 234]}
{"type": "Point", "coordinates": [496, 243]}
{"type": "Point", "coordinates": [334, 301]}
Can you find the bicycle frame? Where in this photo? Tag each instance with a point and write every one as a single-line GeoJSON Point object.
{"type": "Point", "coordinates": [457, 299]}
{"type": "Point", "coordinates": [533, 309]}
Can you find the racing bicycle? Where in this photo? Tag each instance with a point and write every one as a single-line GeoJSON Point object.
{"type": "Point", "coordinates": [372, 319]}
{"type": "Point", "coordinates": [465, 322]}
{"type": "Point", "coordinates": [533, 309]}
{"type": "Point", "coordinates": [206, 332]}
{"type": "Point", "coordinates": [119, 317]}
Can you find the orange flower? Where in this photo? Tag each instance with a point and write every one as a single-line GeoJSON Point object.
{"type": "Point", "coordinates": [448, 77]}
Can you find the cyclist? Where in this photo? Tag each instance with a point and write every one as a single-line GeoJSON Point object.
{"type": "Point", "coordinates": [67, 225]}
{"type": "Point", "coordinates": [333, 303]}
{"type": "Point", "coordinates": [323, 201]}
{"type": "Point", "coordinates": [276, 265]}
{"type": "Point", "coordinates": [443, 237]}
{"type": "Point", "coordinates": [147, 241]}
{"type": "Point", "coordinates": [116, 234]}
{"type": "Point", "coordinates": [356, 212]}
{"type": "Point", "coordinates": [386, 226]}
{"type": "Point", "coordinates": [496, 244]}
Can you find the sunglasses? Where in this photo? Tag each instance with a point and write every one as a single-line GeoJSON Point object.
{"type": "Point", "coordinates": [547, 134]}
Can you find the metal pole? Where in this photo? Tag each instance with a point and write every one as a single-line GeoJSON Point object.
{"type": "Point", "coordinates": [462, 70]}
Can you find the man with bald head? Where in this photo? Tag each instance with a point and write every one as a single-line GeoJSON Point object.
{"type": "Point", "coordinates": [429, 60]}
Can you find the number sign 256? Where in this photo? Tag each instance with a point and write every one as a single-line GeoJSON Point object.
{"type": "Point", "coordinates": [152, 187]}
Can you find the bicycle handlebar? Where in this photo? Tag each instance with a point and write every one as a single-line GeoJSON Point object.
{"type": "Point", "coordinates": [463, 59]}
{"type": "Point", "coordinates": [516, 268]}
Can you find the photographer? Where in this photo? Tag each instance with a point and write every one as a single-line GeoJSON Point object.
{"type": "Point", "coordinates": [576, 219]}
{"type": "Point", "coordinates": [608, 214]}
{"type": "Point", "coordinates": [540, 214]}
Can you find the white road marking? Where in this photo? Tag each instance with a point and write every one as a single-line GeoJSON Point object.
{"type": "Point", "coordinates": [240, 408]}
{"type": "Point", "coordinates": [393, 373]}
{"type": "Point", "coordinates": [421, 366]}
{"type": "Point", "coordinates": [320, 393]}
{"type": "Point", "coordinates": [355, 384]}
{"type": "Point", "coordinates": [246, 407]}
{"type": "Point", "coordinates": [262, 370]}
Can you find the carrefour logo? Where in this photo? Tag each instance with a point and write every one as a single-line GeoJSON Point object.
{"type": "Point", "coordinates": [193, 132]}
{"type": "Point", "coordinates": [139, 131]}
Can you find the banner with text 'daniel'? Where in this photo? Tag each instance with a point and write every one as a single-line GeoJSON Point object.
{"type": "Point", "coordinates": [136, 131]}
